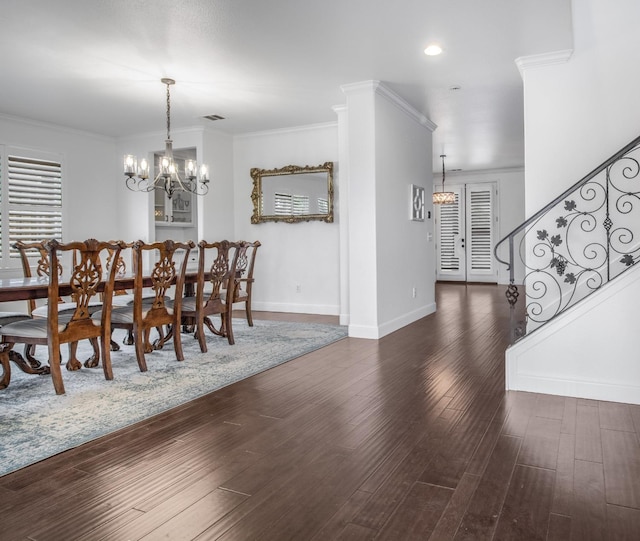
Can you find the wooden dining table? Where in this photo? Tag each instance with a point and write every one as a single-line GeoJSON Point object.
{"type": "Point", "coordinates": [37, 287]}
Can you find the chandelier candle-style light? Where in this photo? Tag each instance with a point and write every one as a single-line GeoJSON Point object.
{"type": "Point", "coordinates": [193, 179]}
{"type": "Point", "coordinates": [443, 198]}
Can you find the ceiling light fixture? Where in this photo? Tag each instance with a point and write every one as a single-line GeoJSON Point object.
{"type": "Point", "coordinates": [433, 50]}
{"type": "Point", "coordinates": [193, 179]}
{"type": "Point", "coordinates": [443, 198]}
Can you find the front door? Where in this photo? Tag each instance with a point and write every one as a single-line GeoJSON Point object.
{"type": "Point", "coordinates": [465, 234]}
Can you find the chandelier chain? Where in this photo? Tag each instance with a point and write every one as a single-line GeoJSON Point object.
{"type": "Point", "coordinates": [168, 112]}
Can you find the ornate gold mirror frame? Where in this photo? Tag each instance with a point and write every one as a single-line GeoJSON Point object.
{"type": "Point", "coordinates": [293, 194]}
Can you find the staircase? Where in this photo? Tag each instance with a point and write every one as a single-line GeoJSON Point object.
{"type": "Point", "coordinates": [572, 257]}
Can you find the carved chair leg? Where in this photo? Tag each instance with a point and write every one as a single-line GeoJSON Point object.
{"type": "Point", "coordinates": [162, 337]}
{"type": "Point", "coordinates": [226, 318]}
{"type": "Point", "coordinates": [6, 365]}
{"type": "Point", "coordinates": [128, 340]}
{"type": "Point", "coordinates": [54, 365]}
{"type": "Point", "coordinates": [249, 314]}
{"type": "Point", "coordinates": [29, 352]}
{"type": "Point", "coordinates": [148, 347]}
{"type": "Point", "coordinates": [113, 345]}
{"type": "Point", "coordinates": [73, 363]}
{"type": "Point", "coordinates": [139, 341]}
{"type": "Point", "coordinates": [94, 360]}
{"type": "Point", "coordinates": [177, 344]}
{"type": "Point", "coordinates": [199, 334]}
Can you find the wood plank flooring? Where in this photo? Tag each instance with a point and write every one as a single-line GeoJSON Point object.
{"type": "Point", "coordinates": [409, 437]}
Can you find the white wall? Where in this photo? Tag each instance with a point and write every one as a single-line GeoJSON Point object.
{"type": "Point", "coordinates": [216, 210]}
{"type": "Point", "coordinates": [89, 174]}
{"type": "Point", "coordinates": [577, 114]}
{"type": "Point", "coordinates": [303, 254]}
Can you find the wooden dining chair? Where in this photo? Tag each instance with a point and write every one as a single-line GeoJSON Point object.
{"type": "Point", "coordinates": [216, 265]}
{"type": "Point", "coordinates": [85, 283]}
{"type": "Point", "coordinates": [244, 276]}
{"type": "Point", "coordinates": [5, 319]}
{"type": "Point", "coordinates": [146, 314]}
{"type": "Point", "coordinates": [27, 250]}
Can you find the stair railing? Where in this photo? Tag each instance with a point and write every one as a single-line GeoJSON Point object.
{"type": "Point", "coordinates": [581, 240]}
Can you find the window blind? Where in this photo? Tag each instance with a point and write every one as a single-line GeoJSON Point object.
{"type": "Point", "coordinates": [34, 197]}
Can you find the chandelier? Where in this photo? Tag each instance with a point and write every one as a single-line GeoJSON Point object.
{"type": "Point", "coordinates": [193, 179]}
{"type": "Point", "coordinates": [443, 198]}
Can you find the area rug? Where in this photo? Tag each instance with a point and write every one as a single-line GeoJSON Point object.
{"type": "Point", "coordinates": [35, 423]}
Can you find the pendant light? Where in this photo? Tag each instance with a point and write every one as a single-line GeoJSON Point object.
{"type": "Point", "coordinates": [443, 198]}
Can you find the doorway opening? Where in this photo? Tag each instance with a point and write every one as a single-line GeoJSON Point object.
{"type": "Point", "coordinates": [465, 232]}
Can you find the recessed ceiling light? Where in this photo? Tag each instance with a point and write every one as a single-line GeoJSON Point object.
{"type": "Point", "coordinates": [433, 50]}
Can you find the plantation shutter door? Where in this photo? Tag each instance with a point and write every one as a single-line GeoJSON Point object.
{"type": "Point", "coordinates": [34, 200]}
{"type": "Point", "coordinates": [479, 235]}
{"type": "Point", "coordinates": [450, 231]}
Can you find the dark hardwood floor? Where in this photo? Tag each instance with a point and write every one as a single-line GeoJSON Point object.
{"type": "Point", "coordinates": [408, 437]}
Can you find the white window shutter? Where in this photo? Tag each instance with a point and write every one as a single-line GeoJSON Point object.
{"type": "Point", "coordinates": [34, 196]}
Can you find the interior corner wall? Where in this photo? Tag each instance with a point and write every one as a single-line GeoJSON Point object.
{"type": "Point", "coordinates": [216, 209]}
{"type": "Point", "coordinates": [298, 265]}
{"type": "Point", "coordinates": [362, 214]}
{"type": "Point", "coordinates": [405, 253]}
{"type": "Point", "coordinates": [579, 113]}
{"type": "Point", "coordinates": [390, 255]}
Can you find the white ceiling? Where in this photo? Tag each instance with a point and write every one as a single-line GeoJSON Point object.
{"type": "Point", "coordinates": [265, 64]}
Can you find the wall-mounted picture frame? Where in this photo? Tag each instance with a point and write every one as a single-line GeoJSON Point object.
{"type": "Point", "coordinates": [416, 203]}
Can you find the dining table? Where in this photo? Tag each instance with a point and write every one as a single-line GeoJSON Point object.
{"type": "Point", "coordinates": [37, 287]}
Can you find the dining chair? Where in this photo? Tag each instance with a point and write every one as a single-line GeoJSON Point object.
{"type": "Point", "coordinates": [244, 276]}
{"type": "Point", "coordinates": [216, 265]}
{"type": "Point", "coordinates": [43, 267]}
{"type": "Point", "coordinates": [122, 297]}
{"type": "Point", "coordinates": [146, 314]}
{"type": "Point", "coordinates": [85, 283]}
{"type": "Point", "coordinates": [5, 319]}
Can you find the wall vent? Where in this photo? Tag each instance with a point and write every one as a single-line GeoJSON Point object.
{"type": "Point", "coordinates": [214, 117]}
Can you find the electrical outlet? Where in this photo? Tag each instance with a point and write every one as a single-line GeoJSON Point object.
{"type": "Point", "coordinates": [413, 292]}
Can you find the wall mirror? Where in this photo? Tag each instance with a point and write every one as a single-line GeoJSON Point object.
{"type": "Point", "coordinates": [293, 194]}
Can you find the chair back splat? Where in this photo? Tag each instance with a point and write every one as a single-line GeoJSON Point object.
{"type": "Point", "coordinates": [216, 266]}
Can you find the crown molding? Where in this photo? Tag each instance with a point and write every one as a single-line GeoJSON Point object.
{"type": "Point", "coordinates": [542, 60]}
{"type": "Point", "coordinates": [382, 90]}
{"type": "Point", "coordinates": [57, 127]}
{"type": "Point", "coordinates": [293, 129]}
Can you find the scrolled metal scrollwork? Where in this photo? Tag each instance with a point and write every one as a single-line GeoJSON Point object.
{"type": "Point", "coordinates": [580, 241]}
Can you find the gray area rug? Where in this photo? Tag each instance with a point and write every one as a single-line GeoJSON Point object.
{"type": "Point", "coordinates": [36, 423]}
